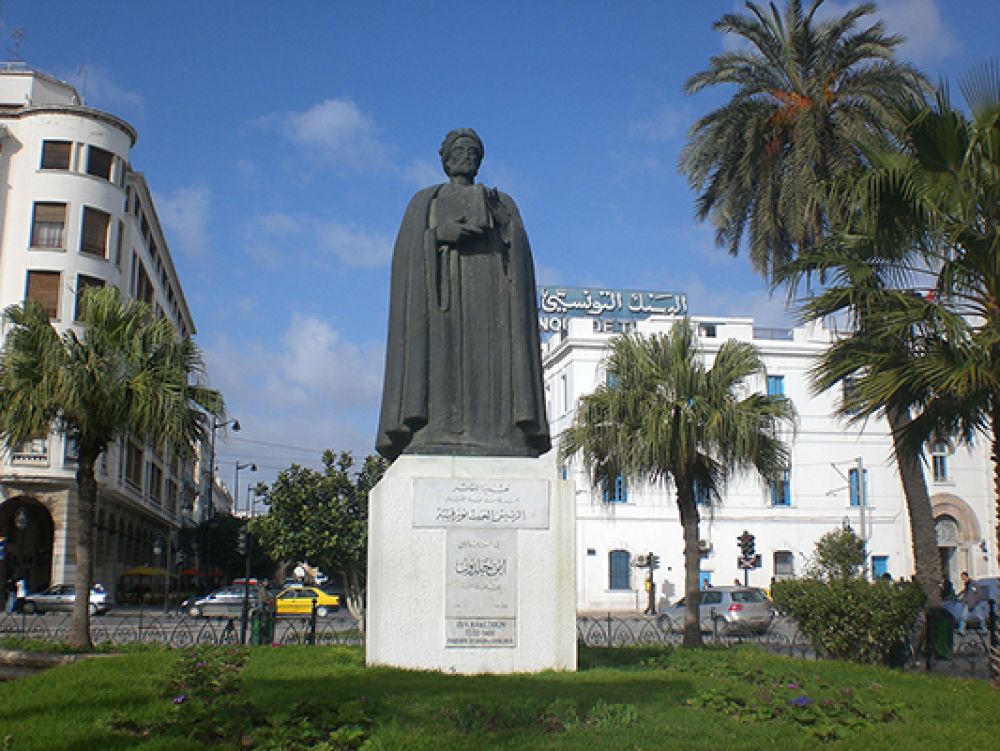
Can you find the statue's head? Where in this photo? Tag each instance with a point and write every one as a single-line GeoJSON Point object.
{"type": "Point", "coordinates": [462, 152]}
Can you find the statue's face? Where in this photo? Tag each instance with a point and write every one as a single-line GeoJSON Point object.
{"type": "Point", "coordinates": [463, 158]}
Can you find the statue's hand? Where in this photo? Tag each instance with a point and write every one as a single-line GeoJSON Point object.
{"type": "Point", "coordinates": [455, 230]}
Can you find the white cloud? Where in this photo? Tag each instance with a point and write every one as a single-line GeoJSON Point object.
{"type": "Point", "coordinates": [928, 37]}
{"type": "Point", "coordinates": [100, 90]}
{"type": "Point", "coordinates": [337, 131]}
{"type": "Point", "coordinates": [661, 126]}
{"type": "Point", "coordinates": [354, 246]}
{"type": "Point", "coordinates": [185, 214]}
{"type": "Point", "coordinates": [423, 172]}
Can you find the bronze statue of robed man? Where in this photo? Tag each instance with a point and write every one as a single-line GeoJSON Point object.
{"type": "Point", "coordinates": [463, 372]}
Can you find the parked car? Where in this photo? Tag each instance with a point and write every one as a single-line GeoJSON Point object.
{"type": "Point", "coordinates": [727, 609]}
{"type": "Point", "coordinates": [989, 589]}
{"type": "Point", "coordinates": [62, 597]}
{"type": "Point", "coordinates": [298, 600]}
{"type": "Point", "coordinates": [222, 603]}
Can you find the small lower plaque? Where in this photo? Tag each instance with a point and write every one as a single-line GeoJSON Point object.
{"type": "Point", "coordinates": [481, 632]}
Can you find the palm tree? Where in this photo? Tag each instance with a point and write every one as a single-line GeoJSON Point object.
{"type": "Point", "coordinates": [128, 373]}
{"type": "Point", "coordinates": [947, 186]}
{"type": "Point", "coordinates": [668, 416]}
{"type": "Point", "coordinates": [874, 291]}
{"type": "Point", "coordinates": [810, 96]}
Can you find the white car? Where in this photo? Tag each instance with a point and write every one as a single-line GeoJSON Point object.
{"type": "Point", "coordinates": [62, 597]}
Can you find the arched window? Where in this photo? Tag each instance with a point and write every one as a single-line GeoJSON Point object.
{"type": "Point", "coordinates": [619, 570]}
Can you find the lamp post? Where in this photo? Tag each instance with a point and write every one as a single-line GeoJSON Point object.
{"type": "Point", "coordinates": [209, 510]}
{"type": "Point", "coordinates": [246, 551]}
{"type": "Point", "coordinates": [161, 546]}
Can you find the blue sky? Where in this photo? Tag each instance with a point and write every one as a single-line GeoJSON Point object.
{"type": "Point", "coordinates": [282, 142]}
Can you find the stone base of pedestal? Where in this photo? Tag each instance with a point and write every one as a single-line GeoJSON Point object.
{"type": "Point", "coordinates": [471, 566]}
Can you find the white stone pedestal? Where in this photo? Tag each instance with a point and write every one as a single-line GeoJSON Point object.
{"type": "Point", "coordinates": [471, 566]}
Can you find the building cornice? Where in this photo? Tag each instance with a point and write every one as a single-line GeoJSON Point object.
{"type": "Point", "coordinates": [74, 109]}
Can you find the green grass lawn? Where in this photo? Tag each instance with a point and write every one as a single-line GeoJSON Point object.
{"type": "Point", "coordinates": [290, 698]}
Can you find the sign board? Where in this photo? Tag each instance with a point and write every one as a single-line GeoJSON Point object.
{"type": "Point", "coordinates": [749, 563]}
{"type": "Point", "coordinates": [612, 310]}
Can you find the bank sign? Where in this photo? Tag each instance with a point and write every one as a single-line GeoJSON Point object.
{"type": "Point", "coordinates": [612, 310]}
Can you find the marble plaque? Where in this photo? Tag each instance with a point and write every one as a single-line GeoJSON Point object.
{"type": "Point", "coordinates": [481, 588]}
{"type": "Point", "coordinates": [488, 504]}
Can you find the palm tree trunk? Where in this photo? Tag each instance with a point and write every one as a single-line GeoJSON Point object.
{"type": "Point", "coordinates": [86, 490]}
{"type": "Point", "coordinates": [995, 456]}
{"type": "Point", "coordinates": [923, 535]}
{"type": "Point", "coordinates": [692, 563]}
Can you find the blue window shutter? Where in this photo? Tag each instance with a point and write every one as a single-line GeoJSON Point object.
{"type": "Point", "coordinates": [619, 569]}
{"type": "Point", "coordinates": [775, 385]}
{"type": "Point", "coordinates": [852, 477]}
{"type": "Point", "coordinates": [880, 565]}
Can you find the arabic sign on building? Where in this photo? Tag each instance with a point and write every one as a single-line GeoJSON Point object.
{"type": "Point", "coordinates": [612, 310]}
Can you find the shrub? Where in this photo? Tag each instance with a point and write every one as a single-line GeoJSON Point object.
{"type": "Point", "coordinates": [839, 554]}
{"type": "Point", "coordinates": [851, 619]}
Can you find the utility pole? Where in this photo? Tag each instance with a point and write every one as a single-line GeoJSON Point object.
{"type": "Point", "coordinates": [862, 503]}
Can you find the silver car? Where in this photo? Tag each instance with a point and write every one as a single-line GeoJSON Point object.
{"type": "Point", "coordinates": [62, 597]}
{"type": "Point", "coordinates": [222, 603]}
{"type": "Point", "coordinates": [724, 609]}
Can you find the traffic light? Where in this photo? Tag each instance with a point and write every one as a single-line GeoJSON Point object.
{"type": "Point", "coordinates": [654, 562]}
{"type": "Point", "coordinates": [747, 545]}
{"type": "Point", "coordinates": [241, 542]}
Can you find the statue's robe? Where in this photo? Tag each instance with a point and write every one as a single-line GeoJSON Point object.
{"type": "Point", "coordinates": [463, 372]}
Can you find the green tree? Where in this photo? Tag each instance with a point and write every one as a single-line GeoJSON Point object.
{"type": "Point", "coordinates": [322, 517]}
{"type": "Point", "coordinates": [810, 96]}
{"type": "Point", "coordinates": [840, 554]}
{"type": "Point", "coordinates": [127, 372]}
{"type": "Point", "coordinates": [667, 416]}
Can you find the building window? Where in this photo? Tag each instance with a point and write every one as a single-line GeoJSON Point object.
{"type": "Point", "coordinates": [119, 243]}
{"type": "Point", "coordinates": [939, 461]}
{"type": "Point", "coordinates": [133, 465]}
{"type": "Point", "coordinates": [155, 483]}
{"type": "Point", "coordinates": [612, 380]}
{"type": "Point", "coordinates": [701, 495]}
{"type": "Point", "coordinates": [48, 225]}
{"type": "Point", "coordinates": [619, 570]}
{"type": "Point", "coordinates": [781, 490]}
{"type": "Point", "coordinates": [94, 239]}
{"type": "Point", "coordinates": [615, 491]}
{"type": "Point", "coordinates": [775, 385]}
{"type": "Point", "coordinates": [849, 393]}
{"type": "Point", "coordinates": [83, 283]}
{"type": "Point", "coordinates": [855, 489]}
{"type": "Point", "coordinates": [880, 567]}
{"type": "Point", "coordinates": [100, 162]}
{"type": "Point", "coordinates": [43, 286]}
{"type": "Point", "coordinates": [56, 154]}
{"type": "Point", "coordinates": [707, 330]}
{"type": "Point", "coordinates": [563, 394]}
{"type": "Point", "coordinates": [784, 564]}
{"type": "Point", "coordinates": [143, 284]}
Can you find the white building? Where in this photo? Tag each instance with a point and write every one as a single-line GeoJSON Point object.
{"type": "Point", "coordinates": [821, 492]}
{"type": "Point", "coordinates": [74, 214]}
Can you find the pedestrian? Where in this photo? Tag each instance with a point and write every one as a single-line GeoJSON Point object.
{"type": "Point", "coordinates": [10, 592]}
{"type": "Point", "coordinates": [968, 595]}
{"type": "Point", "coordinates": [21, 590]}
{"type": "Point", "coordinates": [947, 589]}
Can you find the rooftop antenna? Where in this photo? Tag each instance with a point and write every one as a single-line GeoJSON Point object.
{"type": "Point", "coordinates": [84, 73]}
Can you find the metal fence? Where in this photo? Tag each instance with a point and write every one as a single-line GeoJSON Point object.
{"type": "Point", "coordinates": [184, 631]}
{"type": "Point", "coordinates": [969, 656]}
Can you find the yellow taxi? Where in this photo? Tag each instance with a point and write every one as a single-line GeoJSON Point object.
{"type": "Point", "coordinates": [299, 601]}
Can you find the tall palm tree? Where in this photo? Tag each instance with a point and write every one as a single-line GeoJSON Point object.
{"type": "Point", "coordinates": [810, 95]}
{"type": "Point", "coordinates": [668, 416]}
{"type": "Point", "coordinates": [872, 290]}
{"type": "Point", "coordinates": [947, 186]}
{"type": "Point", "coordinates": [128, 373]}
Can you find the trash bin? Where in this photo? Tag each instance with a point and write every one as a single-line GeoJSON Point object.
{"type": "Point", "coordinates": [940, 633]}
{"type": "Point", "coordinates": [262, 625]}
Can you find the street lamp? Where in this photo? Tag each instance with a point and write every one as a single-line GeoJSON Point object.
{"type": "Point", "coordinates": [163, 548]}
{"type": "Point", "coordinates": [246, 550]}
{"type": "Point", "coordinates": [209, 511]}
